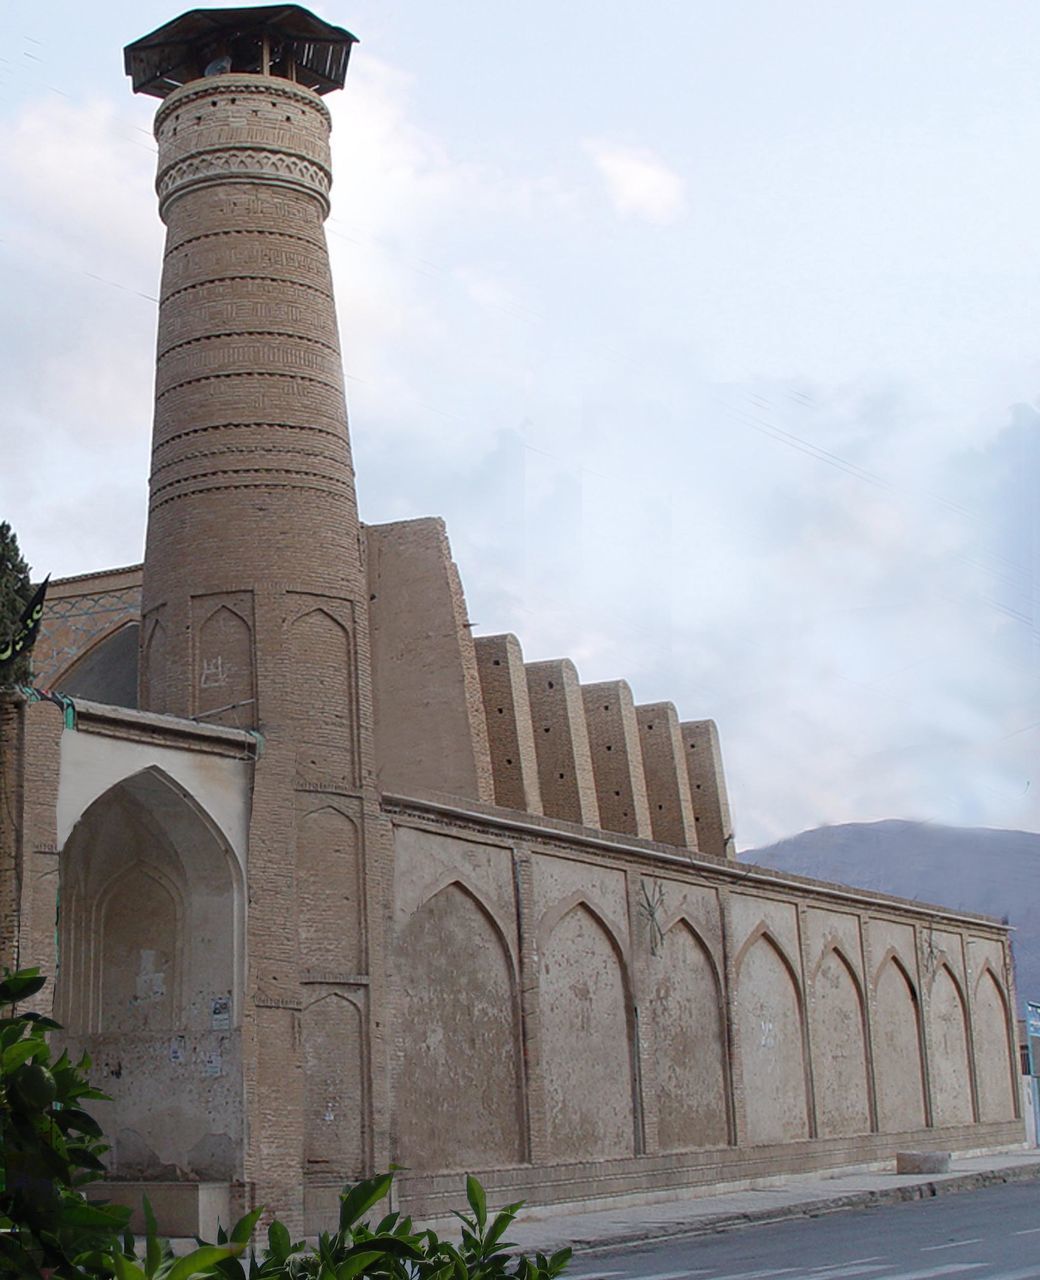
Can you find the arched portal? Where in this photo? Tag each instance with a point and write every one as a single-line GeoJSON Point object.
{"type": "Point", "coordinates": [148, 977]}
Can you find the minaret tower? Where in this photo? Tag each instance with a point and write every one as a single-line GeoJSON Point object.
{"type": "Point", "coordinates": [254, 606]}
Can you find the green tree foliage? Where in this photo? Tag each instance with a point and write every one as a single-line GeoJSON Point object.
{"type": "Point", "coordinates": [52, 1147]}
{"type": "Point", "coordinates": [15, 594]}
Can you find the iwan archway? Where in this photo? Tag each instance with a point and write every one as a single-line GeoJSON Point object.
{"type": "Point", "coordinates": [149, 977]}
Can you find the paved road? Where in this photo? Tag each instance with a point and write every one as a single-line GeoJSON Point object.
{"type": "Point", "coordinates": [989, 1234]}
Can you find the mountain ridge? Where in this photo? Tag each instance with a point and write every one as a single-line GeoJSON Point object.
{"type": "Point", "coordinates": [987, 870]}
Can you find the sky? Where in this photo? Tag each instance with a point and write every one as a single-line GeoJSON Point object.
{"type": "Point", "coordinates": [711, 330]}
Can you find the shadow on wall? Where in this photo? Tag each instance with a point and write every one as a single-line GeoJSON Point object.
{"type": "Point", "coordinates": [107, 672]}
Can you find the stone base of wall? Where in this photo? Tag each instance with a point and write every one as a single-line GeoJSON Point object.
{"type": "Point", "coordinates": [182, 1209]}
{"type": "Point", "coordinates": [608, 1183]}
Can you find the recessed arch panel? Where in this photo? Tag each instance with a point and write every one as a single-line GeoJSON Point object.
{"type": "Point", "coordinates": [898, 1069]}
{"type": "Point", "coordinates": [140, 968]}
{"type": "Point", "coordinates": [950, 1059]}
{"type": "Point", "coordinates": [224, 685]}
{"type": "Point", "coordinates": [997, 1076]}
{"type": "Point", "coordinates": [772, 1048]}
{"type": "Point", "coordinates": [325, 725]}
{"type": "Point", "coordinates": [689, 1039]}
{"type": "Point", "coordinates": [586, 1041]}
{"type": "Point", "coordinates": [331, 920]}
{"type": "Point", "coordinates": [334, 1087]}
{"type": "Point", "coordinates": [839, 1048]}
{"type": "Point", "coordinates": [458, 1098]}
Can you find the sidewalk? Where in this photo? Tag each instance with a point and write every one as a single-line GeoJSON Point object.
{"type": "Point", "coordinates": [807, 1195]}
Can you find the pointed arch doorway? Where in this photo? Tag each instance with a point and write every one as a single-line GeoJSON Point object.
{"type": "Point", "coordinates": [149, 978]}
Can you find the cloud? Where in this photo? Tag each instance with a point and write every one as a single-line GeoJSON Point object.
{"type": "Point", "coordinates": [639, 183]}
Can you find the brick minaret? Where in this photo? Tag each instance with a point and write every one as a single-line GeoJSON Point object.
{"type": "Point", "coordinates": [254, 607]}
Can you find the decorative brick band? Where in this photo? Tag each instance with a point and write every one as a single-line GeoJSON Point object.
{"type": "Point", "coordinates": [200, 476]}
{"type": "Point", "coordinates": [248, 333]}
{"type": "Point", "coordinates": [251, 451]}
{"type": "Point", "coordinates": [336, 435]}
{"type": "Point", "coordinates": [173, 248]}
{"type": "Point", "coordinates": [231, 86]}
{"type": "Point", "coordinates": [246, 164]}
{"type": "Point", "coordinates": [231, 279]}
{"type": "Point", "coordinates": [248, 373]}
{"type": "Point", "coordinates": [227, 488]}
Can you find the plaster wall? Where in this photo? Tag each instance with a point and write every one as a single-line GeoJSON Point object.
{"type": "Point", "coordinates": [91, 763]}
{"type": "Point", "coordinates": [663, 1012]}
{"type": "Point", "coordinates": [837, 1022]}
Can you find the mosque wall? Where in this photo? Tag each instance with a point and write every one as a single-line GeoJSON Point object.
{"type": "Point", "coordinates": [623, 1018]}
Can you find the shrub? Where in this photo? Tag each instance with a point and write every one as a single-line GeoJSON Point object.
{"type": "Point", "coordinates": [51, 1146]}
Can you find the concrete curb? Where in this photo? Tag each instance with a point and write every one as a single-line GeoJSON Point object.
{"type": "Point", "coordinates": [951, 1184]}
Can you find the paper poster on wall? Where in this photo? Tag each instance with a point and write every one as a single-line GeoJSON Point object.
{"type": "Point", "coordinates": [220, 1016]}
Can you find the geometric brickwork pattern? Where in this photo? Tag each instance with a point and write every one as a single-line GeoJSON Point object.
{"type": "Point", "coordinates": [73, 624]}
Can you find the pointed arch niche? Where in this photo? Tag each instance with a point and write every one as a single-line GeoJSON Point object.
{"type": "Point", "coordinates": [328, 869]}
{"type": "Point", "coordinates": [148, 977]}
{"type": "Point", "coordinates": [772, 1047]}
{"type": "Point", "coordinates": [950, 1059]}
{"type": "Point", "coordinates": [334, 1087]}
{"type": "Point", "coordinates": [586, 1040]}
{"type": "Point", "coordinates": [458, 1089]}
{"type": "Point", "coordinates": [689, 1039]}
{"type": "Point", "coordinates": [324, 695]}
{"type": "Point", "coordinates": [224, 686]}
{"type": "Point", "coordinates": [997, 1076]}
{"type": "Point", "coordinates": [837, 1018]}
{"type": "Point", "coordinates": [898, 1071]}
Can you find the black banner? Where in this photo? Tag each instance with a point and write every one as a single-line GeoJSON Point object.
{"type": "Point", "coordinates": [28, 627]}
